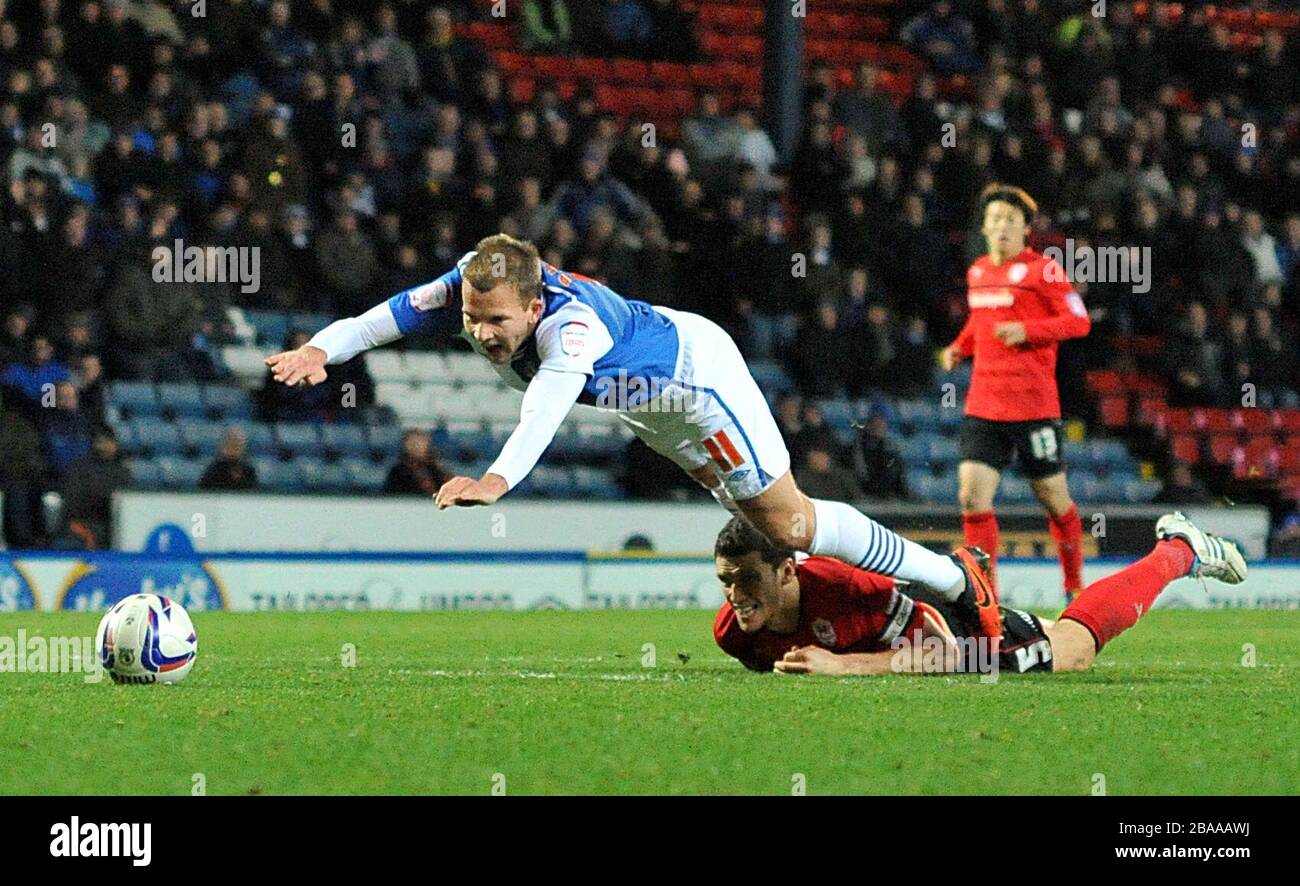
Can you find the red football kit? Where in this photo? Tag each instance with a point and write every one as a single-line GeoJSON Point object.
{"type": "Point", "coordinates": [841, 608]}
{"type": "Point", "coordinates": [1018, 383]}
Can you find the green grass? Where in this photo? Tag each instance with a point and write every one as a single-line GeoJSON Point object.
{"type": "Point", "coordinates": [559, 702]}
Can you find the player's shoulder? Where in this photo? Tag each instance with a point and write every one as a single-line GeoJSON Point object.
{"type": "Point", "coordinates": [825, 573]}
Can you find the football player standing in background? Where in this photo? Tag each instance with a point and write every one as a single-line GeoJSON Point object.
{"type": "Point", "coordinates": [1021, 305]}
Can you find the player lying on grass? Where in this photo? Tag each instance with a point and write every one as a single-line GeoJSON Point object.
{"type": "Point", "coordinates": [819, 616]}
{"type": "Point", "coordinates": [676, 379]}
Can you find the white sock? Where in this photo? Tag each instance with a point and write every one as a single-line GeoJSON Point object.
{"type": "Point", "coordinates": [847, 534]}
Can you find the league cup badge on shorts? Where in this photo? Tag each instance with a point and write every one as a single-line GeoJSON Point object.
{"type": "Point", "coordinates": [573, 337]}
{"type": "Point", "coordinates": [824, 631]}
{"type": "Point", "coordinates": [1017, 272]}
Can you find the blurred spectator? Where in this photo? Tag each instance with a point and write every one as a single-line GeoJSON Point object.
{"type": "Point", "coordinates": [1182, 487]}
{"type": "Point", "coordinates": [22, 470]}
{"type": "Point", "coordinates": [88, 378]}
{"type": "Point", "coordinates": [88, 487]}
{"type": "Point", "coordinates": [33, 378]}
{"type": "Point", "coordinates": [1194, 363]}
{"type": "Point", "coordinates": [419, 469]}
{"type": "Point", "coordinates": [822, 477]}
{"type": "Point", "coordinates": [65, 432]}
{"type": "Point", "coordinates": [628, 27]}
{"type": "Point", "coordinates": [544, 26]}
{"type": "Point", "coordinates": [345, 259]}
{"type": "Point", "coordinates": [876, 460]}
{"type": "Point", "coordinates": [946, 39]}
{"type": "Point", "coordinates": [231, 469]}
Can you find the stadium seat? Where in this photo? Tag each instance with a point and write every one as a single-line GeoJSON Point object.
{"type": "Point", "coordinates": [180, 473]}
{"type": "Point", "coordinates": [385, 440]}
{"type": "Point", "coordinates": [299, 438]}
{"type": "Point", "coordinates": [261, 440]}
{"type": "Point", "coordinates": [345, 440]}
{"type": "Point", "coordinates": [365, 475]}
{"type": "Point", "coordinates": [144, 472]}
{"type": "Point", "coordinates": [271, 327]}
{"type": "Point", "coordinates": [201, 437]}
{"type": "Point", "coordinates": [1140, 491]}
{"type": "Point", "coordinates": [180, 400]}
{"type": "Point", "coordinates": [1221, 447]}
{"type": "Point", "coordinates": [915, 450]}
{"type": "Point", "coordinates": [1185, 448]}
{"type": "Point", "coordinates": [157, 437]}
{"type": "Point", "coordinates": [136, 398]}
{"type": "Point", "coordinates": [227, 402]}
{"type": "Point", "coordinates": [1113, 410]}
{"type": "Point", "coordinates": [318, 476]}
{"type": "Point", "coordinates": [387, 365]}
{"type": "Point", "coordinates": [1016, 490]}
{"type": "Point", "coordinates": [943, 450]}
{"type": "Point", "coordinates": [276, 475]}
{"type": "Point", "coordinates": [245, 361]}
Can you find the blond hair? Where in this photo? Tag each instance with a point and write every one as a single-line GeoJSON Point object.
{"type": "Point", "coordinates": [501, 258]}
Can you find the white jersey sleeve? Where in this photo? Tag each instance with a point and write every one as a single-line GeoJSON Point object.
{"type": "Point", "coordinates": [550, 396]}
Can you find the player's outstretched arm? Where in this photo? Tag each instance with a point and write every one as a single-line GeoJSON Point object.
{"type": "Point", "coordinates": [340, 341]}
{"type": "Point", "coordinates": [935, 653]}
{"type": "Point", "coordinates": [550, 396]}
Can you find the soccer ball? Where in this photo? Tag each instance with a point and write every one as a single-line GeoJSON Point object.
{"type": "Point", "coordinates": [146, 638]}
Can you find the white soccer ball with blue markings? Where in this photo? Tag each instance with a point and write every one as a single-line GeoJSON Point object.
{"type": "Point", "coordinates": [146, 638]}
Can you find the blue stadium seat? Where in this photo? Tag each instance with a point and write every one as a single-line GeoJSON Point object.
{"type": "Point", "coordinates": [136, 398]}
{"type": "Point", "coordinates": [201, 436]}
{"type": "Point", "coordinates": [157, 437]}
{"type": "Point", "coordinates": [261, 441]}
{"type": "Point", "coordinates": [144, 472]}
{"type": "Point", "coordinates": [181, 400]}
{"type": "Point", "coordinates": [319, 476]}
{"type": "Point", "coordinates": [600, 448]}
{"type": "Point", "coordinates": [385, 439]}
{"type": "Point", "coordinates": [943, 450]}
{"type": "Point", "coordinates": [595, 483]}
{"type": "Point", "coordinates": [227, 402]}
{"type": "Point", "coordinates": [276, 475]}
{"type": "Point", "coordinates": [1140, 491]}
{"type": "Point", "coordinates": [552, 482]}
{"type": "Point", "coordinates": [346, 440]}
{"type": "Point", "coordinates": [1016, 490]}
{"type": "Point", "coordinates": [271, 326]}
{"type": "Point", "coordinates": [365, 475]}
{"type": "Point", "coordinates": [309, 322]}
{"type": "Point", "coordinates": [299, 438]}
{"type": "Point", "coordinates": [921, 415]}
{"type": "Point", "coordinates": [124, 430]}
{"type": "Point", "coordinates": [771, 377]}
{"type": "Point", "coordinates": [180, 473]}
{"type": "Point", "coordinates": [915, 450]}
{"type": "Point", "coordinates": [838, 413]}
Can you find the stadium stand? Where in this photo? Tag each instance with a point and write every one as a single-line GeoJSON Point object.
{"type": "Point", "coordinates": [232, 130]}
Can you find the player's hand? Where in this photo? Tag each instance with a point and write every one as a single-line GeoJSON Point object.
{"type": "Point", "coordinates": [467, 492]}
{"type": "Point", "coordinates": [949, 359]}
{"type": "Point", "coordinates": [1011, 333]}
{"type": "Point", "coordinates": [304, 366]}
{"type": "Point", "coordinates": [810, 660]}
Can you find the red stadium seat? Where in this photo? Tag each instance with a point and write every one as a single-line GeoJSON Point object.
{"type": "Point", "coordinates": [1186, 448]}
{"type": "Point", "coordinates": [671, 73]}
{"type": "Point", "coordinates": [1214, 421]}
{"type": "Point", "coordinates": [1179, 421]}
{"type": "Point", "coordinates": [708, 76]}
{"type": "Point", "coordinates": [1259, 459]}
{"type": "Point", "coordinates": [1221, 448]}
{"type": "Point", "coordinates": [522, 90]}
{"type": "Point", "coordinates": [1104, 381]}
{"type": "Point", "coordinates": [631, 71]}
{"type": "Point", "coordinates": [1114, 411]}
{"type": "Point", "coordinates": [1288, 420]}
{"type": "Point", "coordinates": [1151, 411]}
{"type": "Point", "coordinates": [1252, 421]}
{"type": "Point", "coordinates": [1289, 456]}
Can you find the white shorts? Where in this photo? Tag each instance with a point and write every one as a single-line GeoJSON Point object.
{"type": "Point", "coordinates": [712, 412]}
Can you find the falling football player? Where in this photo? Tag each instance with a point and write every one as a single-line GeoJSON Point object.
{"type": "Point", "coordinates": [676, 379]}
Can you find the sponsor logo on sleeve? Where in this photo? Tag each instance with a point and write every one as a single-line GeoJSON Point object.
{"type": "Point", "coordinates": [429, 296]}
{"type": "Point", "coordinates": [1075, 304]}
{"type": "Point", "coordinates": [573, 337]}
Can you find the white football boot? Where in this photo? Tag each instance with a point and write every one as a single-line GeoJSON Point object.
{"type": "Point", "coordinates": [1215, 557]}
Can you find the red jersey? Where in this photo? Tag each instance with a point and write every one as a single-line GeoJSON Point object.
{"type": "Point", "coordinates": [1018, 383]}
{"type": "Point", "coordinates": [841, 608]}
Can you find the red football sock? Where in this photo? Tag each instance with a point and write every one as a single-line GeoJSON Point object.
{"type": "Point", "coordinates": [1112, 605]}
{"type": "Point", "coordinates": [1067, 532]}
{"type": "Point", "coordinates": [981, 530]}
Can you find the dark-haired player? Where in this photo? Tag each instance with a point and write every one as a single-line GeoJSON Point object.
{"type": "Point", "coordinates": [1021, 306]}
{"type": "Point", "coordinates": [819, 616]}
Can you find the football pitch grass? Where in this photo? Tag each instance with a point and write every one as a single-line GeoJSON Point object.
{"type": "Point", "coordinates": [577, 702]}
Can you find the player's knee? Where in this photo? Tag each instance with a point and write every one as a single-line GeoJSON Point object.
{"type": "Point", "coordinates": [973, 500]}
{"type": "Point", "coordinates": [788, 530]}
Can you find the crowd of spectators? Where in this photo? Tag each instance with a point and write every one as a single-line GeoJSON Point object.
{"type": "Point", "coordinates": [362, 147]}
